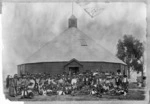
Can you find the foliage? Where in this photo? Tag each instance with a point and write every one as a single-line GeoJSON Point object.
{"type": "Point", "coordinates": [130, 51]}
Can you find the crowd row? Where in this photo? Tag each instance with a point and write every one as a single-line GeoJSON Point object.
{"type": "Point", "coordinates": [94, 83]}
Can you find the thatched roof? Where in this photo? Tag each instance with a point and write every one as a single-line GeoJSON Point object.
{"type": "Point", "coordinates": [72, 43]}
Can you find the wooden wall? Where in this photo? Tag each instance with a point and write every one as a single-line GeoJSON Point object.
{"type": "Point", "coordinates": [58, 67]}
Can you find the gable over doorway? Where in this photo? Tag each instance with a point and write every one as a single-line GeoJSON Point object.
{"type": "Point", "coordinates": [73, 67]}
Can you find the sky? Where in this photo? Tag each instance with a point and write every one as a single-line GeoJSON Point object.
{"type": "Point", "coordinates": [28, 26]}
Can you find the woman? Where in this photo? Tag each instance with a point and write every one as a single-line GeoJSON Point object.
{"type": "Point", "coordinates": [12, 91]}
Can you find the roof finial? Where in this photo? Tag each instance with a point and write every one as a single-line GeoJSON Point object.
{"type": "Point", "coordinates": [72, 7]}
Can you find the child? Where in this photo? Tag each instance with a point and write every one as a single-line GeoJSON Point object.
{"type": "Point", "coordinates": [125, 84]}
{"type": "Point", "coordinates": [93, 92]}
{"type": "Point", "coordinates": [44, 92]}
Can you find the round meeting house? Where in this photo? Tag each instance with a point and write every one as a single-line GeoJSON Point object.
{"type": "Point", "coordinates": [71, 52]}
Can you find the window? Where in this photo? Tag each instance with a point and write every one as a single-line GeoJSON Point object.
{"type": "Point", "coordinates": [83, 42]}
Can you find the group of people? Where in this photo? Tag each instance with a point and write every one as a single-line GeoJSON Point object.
{"type": "Point", "coordinates": [92, 83]}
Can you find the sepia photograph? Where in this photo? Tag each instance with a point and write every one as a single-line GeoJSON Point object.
{"type": "Point", "coordinates": [74, 51]}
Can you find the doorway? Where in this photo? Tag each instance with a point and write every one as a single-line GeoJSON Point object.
{"type": "Point", "coordinates": [73, 70]}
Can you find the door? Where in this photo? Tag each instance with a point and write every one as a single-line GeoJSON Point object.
{"type": "Point", "coordinates": [73, 70]}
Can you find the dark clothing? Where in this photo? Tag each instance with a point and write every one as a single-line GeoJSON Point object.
{"type": "Point", "coordinates": [7, 82]}
{"type": "Point", "coordinates": [12, 91]}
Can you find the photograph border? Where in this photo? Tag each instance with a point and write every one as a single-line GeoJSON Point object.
{"type": "Point", "coordinates": [147, 49]}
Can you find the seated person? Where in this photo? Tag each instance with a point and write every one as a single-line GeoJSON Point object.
{"type": "Point", "coordinates": [60, 91]}
{"type": "Point", "coordinates": [93, 92]}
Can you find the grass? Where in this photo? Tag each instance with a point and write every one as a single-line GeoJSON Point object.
{"type": "Point", "coordinates": [132, 95]}
{"type": "Point", "coordinates": [135, 93]}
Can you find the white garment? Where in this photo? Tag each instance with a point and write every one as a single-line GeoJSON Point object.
{"type": "Point", "coordinates": [49, 80]}
{"type": "Point", "coordinates": [106, 87]}
{"type": "Point", "coordinates": [124, 79]}
{"type": "Point", "coordinates": [53, 81]}
{"type": "Point", "coordinates": [73, 81]}
{"type": "Point", "coordinates": [60, 92]}
{"type": "Point", "coordinates": [37, 81]}
{"type": "Point", "coordinates": [95, 85]}
{"type": "Point", "coordinates": [93, 92]}
{"type": "Point", "coordinates": [29, 91]}
{"type": "Point", "coordinates": [107, 81]}
{"type": "Point", "coordinates": [87, 79]}
{"type": "Point", "coordinates": [119, 74]}
{"type": "Point", "coordinates": [61, 81]}
{"type": "Point", "coordinates": [95, 73]}
{"type": "Point", "coordinates": [44, 92]}
{"type": "Point", "coordinates": [49, 90]}
{"type": "Point", "coordinates": [106, 73]}
{"type": "Point", "coordinates": [33, 84]}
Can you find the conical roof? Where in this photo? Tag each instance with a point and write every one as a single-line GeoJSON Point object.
{"type": "Point", "coordinates": [72, 43]}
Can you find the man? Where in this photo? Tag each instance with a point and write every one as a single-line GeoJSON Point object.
{"type": "Point", "coordinates": [30, 88]}
{"type": "Point", "coordinates": [19, 81]}
{"type": "Point", "coordinates": [119, 73]}
{"type": "Point", "coordinates": [49, 80]}
{"type": "Point", "coordinates": [125, 84]}
{"type": "Point", "coordinates": [15, 83]}
{"type": "Point", "coordinates": [37, 80]}
{"type": "Point", "coordinates": [74, 82]}
{"type": "Point", "coordinates": [25, 83]}
{"type": "Point", "coordinates": [118, 78]}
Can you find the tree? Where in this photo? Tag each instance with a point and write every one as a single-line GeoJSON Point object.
{"type": "Point", "coordinates": [130, 51]}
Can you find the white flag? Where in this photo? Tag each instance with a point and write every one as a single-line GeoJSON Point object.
{"type": "Point", "coordinates": [92, 9]}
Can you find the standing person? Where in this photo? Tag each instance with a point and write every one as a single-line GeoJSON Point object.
{"type": "Point", "coordinates": [119, 73]}
{"type": "Point", "coordinates": [117, 81]}
{"type": "Point", "coordinates": [12, 92]}
{"type": "Point", "coordinates": [49, 80]}
{"type": "Point", "coordinates": [25, 83]}
{"type": "Point", "coordinates": [37, 80]}
{"type": "Point", "coordinates": [87, 79]}
{"type": "Point", "coordinates": [119, 78]}
{"type": "Point", "coordinates": [19, 85]}
{"type": "Point", "coordinates": [7, 81]}
{"type": "Point", "coordinates": [125, 84]}
{"type": "Point", "coordinates": [74, 82]}
{"type": "Point", "coordinates": [32, 83]}
{"type": "Point", "coordinates": [113, 82]}
{"type": "Point", "coordinates": [15, 83]}
{"type": "Point", "coordinates": [84, 80]}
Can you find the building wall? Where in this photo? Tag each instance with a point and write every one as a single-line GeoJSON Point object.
{"type": "Point", "coordinates": [52, 68]}
{"type": "Point", "coordinates": [58, 67]}
{"type": "Point", "coordinates": [110, 67]}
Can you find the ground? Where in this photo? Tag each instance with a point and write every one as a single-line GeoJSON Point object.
{"type": "Point", "coordinates": [134, 93]}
